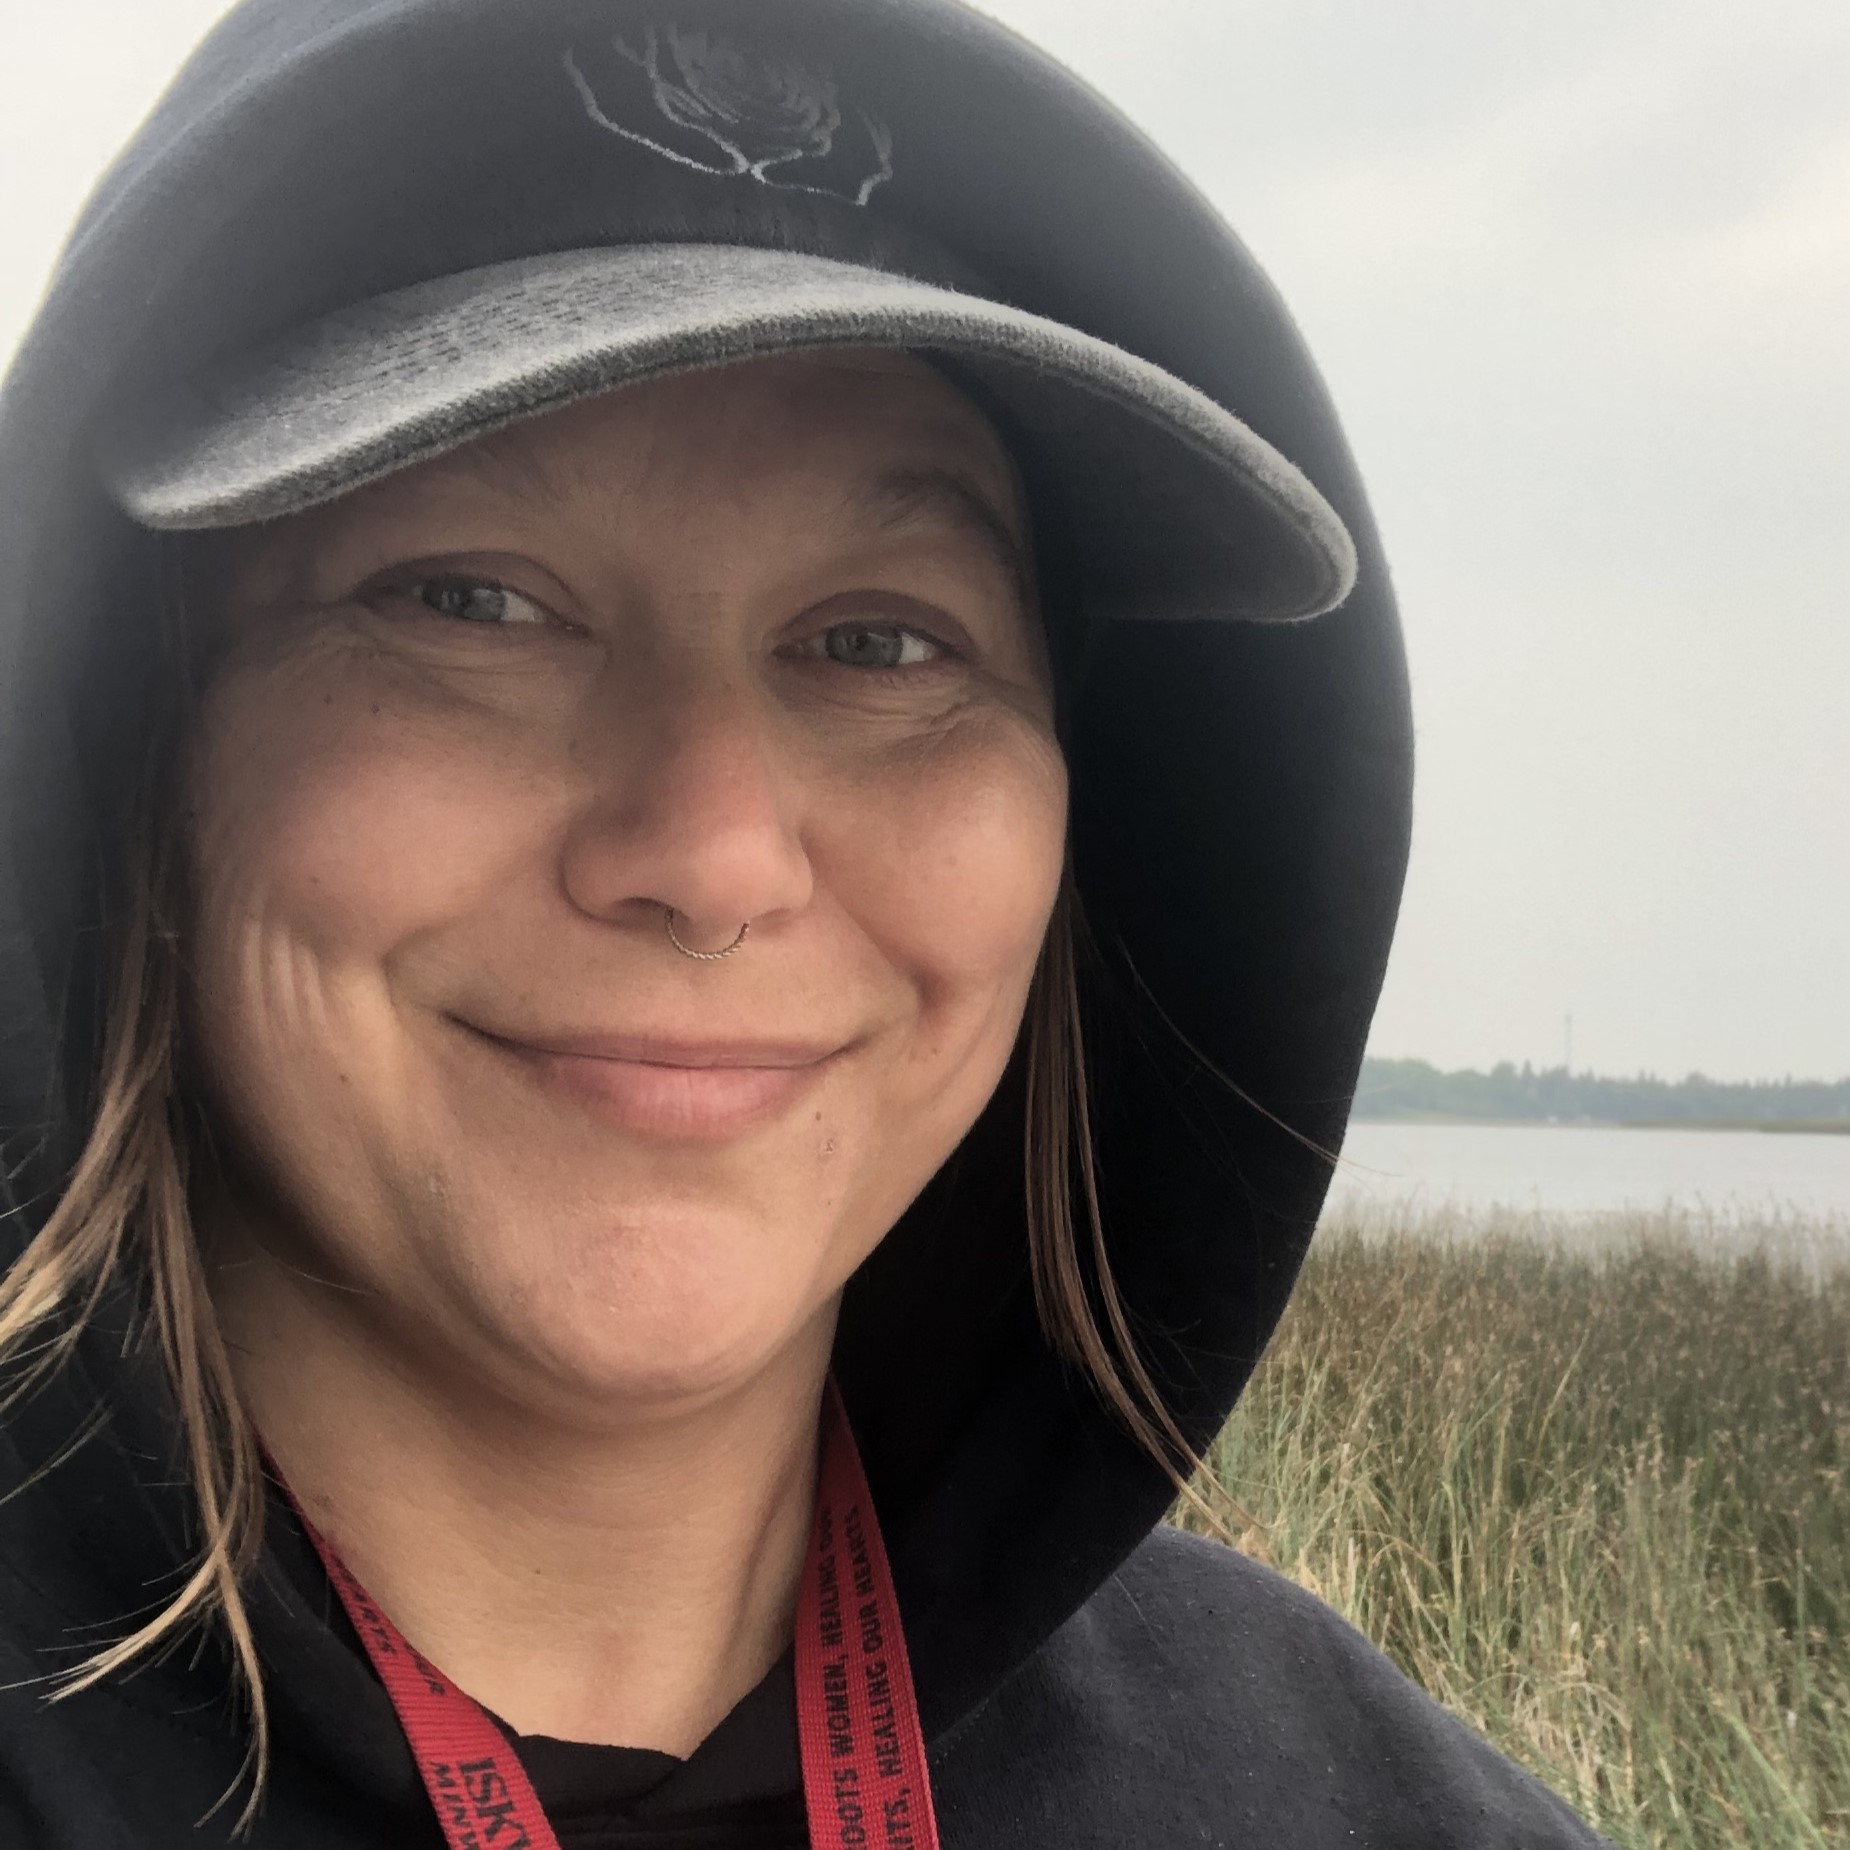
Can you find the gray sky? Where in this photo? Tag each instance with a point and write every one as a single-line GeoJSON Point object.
{"type": "Point", "coordinates": [1579, 275]}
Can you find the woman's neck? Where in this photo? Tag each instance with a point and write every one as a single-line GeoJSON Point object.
{"type": "Point", "coordinates": [623, 1582]}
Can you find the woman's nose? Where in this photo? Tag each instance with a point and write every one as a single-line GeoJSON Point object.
{"type": "Point", "coordinates": [694, 805]}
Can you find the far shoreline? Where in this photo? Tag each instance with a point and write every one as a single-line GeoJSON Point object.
{"type": "Point", "coordinates": [1801, 1127]}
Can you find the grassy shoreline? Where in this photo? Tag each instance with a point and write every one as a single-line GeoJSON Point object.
{"type": "Point", "coordinates": [1595, 1499]}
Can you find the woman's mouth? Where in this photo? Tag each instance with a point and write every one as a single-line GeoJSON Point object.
{"type": "Point", "coordinates": [653, 1086]}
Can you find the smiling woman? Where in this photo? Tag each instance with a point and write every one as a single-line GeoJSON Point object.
{"type": "Point", "coordinates": [462, 753]}
{"type": "Point", "coordinates": [687, 933]}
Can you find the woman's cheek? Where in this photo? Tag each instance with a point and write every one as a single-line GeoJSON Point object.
{"type": "Point", "coordinates": [358, 823]}
{"type": "Point", "coordinates": [954, 858]}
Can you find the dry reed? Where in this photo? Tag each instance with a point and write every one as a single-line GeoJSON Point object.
{"type": "Point", "coordinates": [1591, 1493]}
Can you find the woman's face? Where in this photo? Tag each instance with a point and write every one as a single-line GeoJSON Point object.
{"type": "Point", "coordinates": [756, 644]}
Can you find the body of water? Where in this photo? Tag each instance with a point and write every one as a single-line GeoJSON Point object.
{"type": "Point", "coordinates": [1732, 1176]}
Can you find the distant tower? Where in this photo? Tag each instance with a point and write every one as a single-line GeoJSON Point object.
{"type": "Point", "coordinates": [1568, 1038]}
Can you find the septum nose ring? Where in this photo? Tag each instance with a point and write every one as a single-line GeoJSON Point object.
{"type": "Point", "coordinates": [705, 957]}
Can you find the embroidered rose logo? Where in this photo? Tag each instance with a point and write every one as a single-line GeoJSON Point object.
{"type": "Point", "coordinates": [708, 102]}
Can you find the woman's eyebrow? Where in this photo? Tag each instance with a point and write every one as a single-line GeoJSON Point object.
{"type": "Point", "coordinates": [912, 497]}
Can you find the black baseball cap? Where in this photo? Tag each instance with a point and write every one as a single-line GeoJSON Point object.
{"type": "Point", "coordinates": [698, 187]}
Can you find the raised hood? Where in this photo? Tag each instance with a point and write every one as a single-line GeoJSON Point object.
{"type": "Point", "coordinates": [1241, 792]}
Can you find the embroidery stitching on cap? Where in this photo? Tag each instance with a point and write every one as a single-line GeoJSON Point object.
{"type": "Point", "coordinates": [753, 113]}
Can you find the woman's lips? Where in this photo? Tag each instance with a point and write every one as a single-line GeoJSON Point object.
{"type": "Point", "coordinates": [706, 1090]}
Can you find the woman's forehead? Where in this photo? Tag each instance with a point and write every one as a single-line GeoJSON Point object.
{"type": "Point", "coordinates": [872, 436]}
{"type": "Point", "coordinates": [870, 441]}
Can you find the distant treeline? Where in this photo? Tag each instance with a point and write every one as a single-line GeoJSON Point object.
{"type": "Point", "coordinates": [1414, 1089]}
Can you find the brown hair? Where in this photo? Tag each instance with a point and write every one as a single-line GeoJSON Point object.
{"type": "Point", "coordinates": [125, 1207]}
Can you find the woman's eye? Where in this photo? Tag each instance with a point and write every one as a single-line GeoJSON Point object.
{"type": "Point", "coordinates": [475, 600]}
{"type": "Point", "coordinates": [876, 645]}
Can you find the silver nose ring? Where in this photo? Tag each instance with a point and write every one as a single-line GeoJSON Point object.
{"type": "Point", "coordinates": [705, 957]}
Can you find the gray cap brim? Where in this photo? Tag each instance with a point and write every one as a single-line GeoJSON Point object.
{"type": "Point", "coordinates": [1176, 507]}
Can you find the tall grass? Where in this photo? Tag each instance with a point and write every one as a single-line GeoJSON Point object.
{"type": "Point", "coordinates": [1593, 1498]}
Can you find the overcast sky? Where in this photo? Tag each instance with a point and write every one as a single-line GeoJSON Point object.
{"type": "Point", "coordinates": [1579, 275]}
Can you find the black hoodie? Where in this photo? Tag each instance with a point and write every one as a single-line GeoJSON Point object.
{"type": "Point", "coordinates": [1087, 1677]}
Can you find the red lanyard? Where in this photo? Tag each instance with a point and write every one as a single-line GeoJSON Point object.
{"type": "Point", "coordinates": [865, 1784]}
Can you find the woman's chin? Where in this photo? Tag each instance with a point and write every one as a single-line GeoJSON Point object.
{"type": "Point", "coordinates": [589, 1351]}
{"type": "Point", "coordinates": [616, 1383]}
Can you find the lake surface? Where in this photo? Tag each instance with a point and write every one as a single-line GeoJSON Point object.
{"type": "Point", "coordinates": [1731, 1176]}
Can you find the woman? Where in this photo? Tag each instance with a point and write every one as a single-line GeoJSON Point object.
{"type": "Point", "coordinates": [662, 826]}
